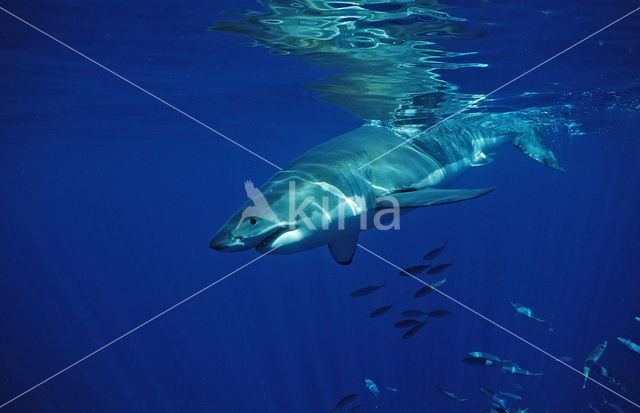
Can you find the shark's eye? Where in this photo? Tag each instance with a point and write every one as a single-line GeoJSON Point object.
{"type": "Point", "coordinates": [252, 221]}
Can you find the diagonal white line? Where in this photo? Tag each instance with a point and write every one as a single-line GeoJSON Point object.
{"type": "Point", "coordinates": [115, 340]}
{"type": "Point", "coordinates": [279, 168]}
{"type": "Point", "coordinates": [499, 326]}
{"type": "Point", "coordinates": [503, 86]}
{"type": "Point", "coordinates": [140, 88]}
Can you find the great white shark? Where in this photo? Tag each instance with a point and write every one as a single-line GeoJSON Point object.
{"type": "Point", "coordinates": [330, 193]}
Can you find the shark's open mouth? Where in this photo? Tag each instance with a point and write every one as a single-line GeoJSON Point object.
{"type": "Point", "coordinates": [264, 245]}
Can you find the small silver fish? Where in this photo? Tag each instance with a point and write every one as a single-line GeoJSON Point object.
{"type": "Point", "coordinates": [438, 283]}
{"type": "Point", "coordinates": [369, 384]}
{"type": "Point", "coordinates": [495, 398]}
{"type": "Point", "coordinates": [423, 291]}
{"type": "Point", "coordinates": [413, 330]}
{"type": "Point", "coordinates": [527, 312]}
{"type": "Point", "coordinates": [630, 344]}
{"type": "Point", "coordinates": [380, 311]}
{"type": "Point", "coordinates": [515, 369]}
{"type": "Point", "coordinates": [368, 290]}
{"type": "Point", "coordinates": [511, 395]}
{"type": "Point", "coordinates": [480, 361]}
{"type": "Point", "coordinates": [434, 252]}
{"type": "Point", "coordinates": [450, 395]}
{"type": "Point", "coordinates": [439, 313]}
{"type": "Point", "coordinates": [594, 356]}
{"type": "Point", "coordinates": [415, 270]}
{"type": "Point", "coordinates": [488, 356]}
{"type": "Point", "coordinates": [439, 268]}
{"type": "Point", "coordinates": [406, 323]}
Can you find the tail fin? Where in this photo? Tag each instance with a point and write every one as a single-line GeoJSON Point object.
{"type": "Point", "coordinates": [531, 143]}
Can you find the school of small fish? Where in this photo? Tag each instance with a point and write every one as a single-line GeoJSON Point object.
{"type": "Point", "coordinates": [415, 319]}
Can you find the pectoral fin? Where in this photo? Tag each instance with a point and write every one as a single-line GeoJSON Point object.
{"type": "Point", "coordinates": [343, 249]}
{"type": "Point", "coordinates": [432, 196]}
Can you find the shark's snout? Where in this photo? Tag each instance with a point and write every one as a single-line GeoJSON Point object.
{"type": "Point", "coordinates": [223, 241]}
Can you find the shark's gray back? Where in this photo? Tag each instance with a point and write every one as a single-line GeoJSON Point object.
{"type": "Point", "coordinates": [432, 159]}
{"type": "Point", "coordinates": [446, 147]}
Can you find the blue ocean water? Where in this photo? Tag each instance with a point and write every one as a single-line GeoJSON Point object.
{"type": "Point", "coordinates": [110, 198]}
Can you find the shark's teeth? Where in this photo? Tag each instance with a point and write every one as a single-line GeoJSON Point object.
{"type": "Point", "coordinates": [261, 247]}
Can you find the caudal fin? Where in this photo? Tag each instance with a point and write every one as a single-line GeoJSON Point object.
{"type": "Point", "coordinates": [530, 142]}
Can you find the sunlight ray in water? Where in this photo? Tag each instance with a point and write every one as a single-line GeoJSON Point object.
{"type": "Point", "coordinates": [110, 201]}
